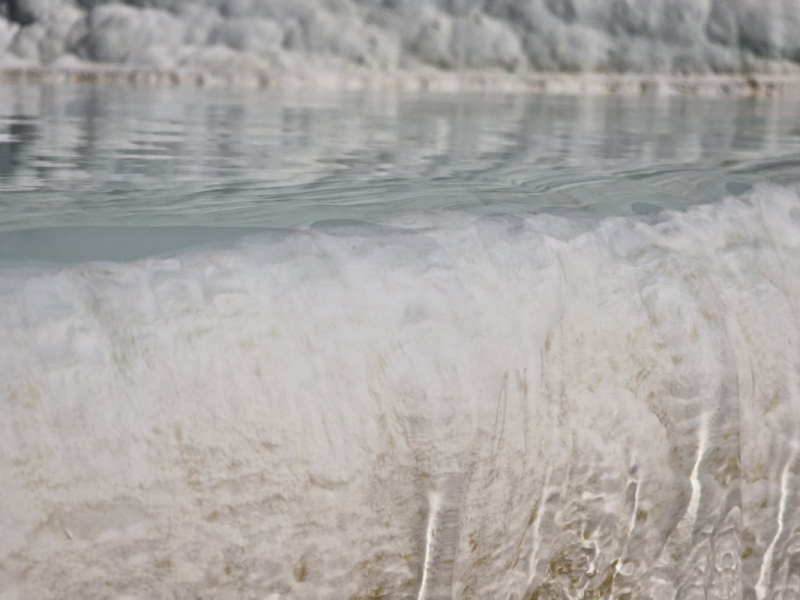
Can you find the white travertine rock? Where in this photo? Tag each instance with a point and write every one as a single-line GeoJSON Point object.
{"type": "Point", "coordinates": [434, 406]}
{"type": "Point", "coordinates": [118, 33]}
{"type": "Point", "coordinates": [8, 31]}
{"type": "Point", "coordinates": [682, 37]}
{"type": "Point", "coordinates": [26, 41]}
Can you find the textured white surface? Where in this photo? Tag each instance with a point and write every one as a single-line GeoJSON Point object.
{"type": "Point", "coordinates": [640, 36]}
{"type": "Point", "coordinates": [540, 407]}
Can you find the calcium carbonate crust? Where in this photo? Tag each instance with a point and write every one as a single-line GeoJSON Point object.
{"type": "Point", "coordinates": [258, 40]}
{"type": "Point", "coordinates": [307, 76]}
{"type": "Point", "coordinates": [436, 406]}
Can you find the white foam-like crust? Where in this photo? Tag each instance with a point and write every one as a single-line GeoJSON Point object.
{"type": "Point", "coordinates": [323, 39]}
{"type": "Point", "coordinates": [429, 407]}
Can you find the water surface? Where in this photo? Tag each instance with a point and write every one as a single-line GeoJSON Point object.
{"type": "Point", "coordinates": [207, 161]}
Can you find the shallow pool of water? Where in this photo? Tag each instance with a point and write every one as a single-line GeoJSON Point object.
{"type": "Point", "coordinates": [80, 158]}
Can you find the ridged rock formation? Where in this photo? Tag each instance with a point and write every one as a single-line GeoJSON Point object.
{"type": "Point", "coordinates": [639, 36]}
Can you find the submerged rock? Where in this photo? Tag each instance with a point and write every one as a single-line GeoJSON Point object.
{"type": "Point", "coordinates": [510, 406]}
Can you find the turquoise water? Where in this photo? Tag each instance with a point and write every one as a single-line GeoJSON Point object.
{"type": "Point", "coordinates": [95, 157]}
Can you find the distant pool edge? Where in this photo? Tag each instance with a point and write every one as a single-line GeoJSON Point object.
{"type": "Point", "coordinates": [740, 85]}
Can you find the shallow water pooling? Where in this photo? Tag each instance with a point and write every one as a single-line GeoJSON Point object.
{"type": "Point", "coordinates": [488, 347]}
{"type": "Point", "coordinates": [112, 158]}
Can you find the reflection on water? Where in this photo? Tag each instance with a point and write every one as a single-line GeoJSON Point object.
{"type": "Point", "coordinates": [19, 132]}
{"type": "Point", "coordinates": [88, 155]}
